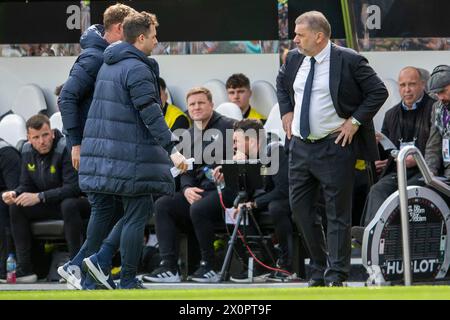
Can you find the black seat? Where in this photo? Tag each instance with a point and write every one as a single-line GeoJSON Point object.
{"type": "Point", "coordinates": [48, 229]}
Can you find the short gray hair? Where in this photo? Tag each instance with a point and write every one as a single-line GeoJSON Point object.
{"type": "Point", "coordinates": [316, 21]}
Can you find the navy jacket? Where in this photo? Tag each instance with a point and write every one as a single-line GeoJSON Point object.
{"type": "Point", "coordinates": [76, 95]}
{"type": "Point", "coordinates": [355, 88]}
{"type": "Point", "coordinates": [52, 173]}
{"type": "Point", "coordinates": [126, 140]}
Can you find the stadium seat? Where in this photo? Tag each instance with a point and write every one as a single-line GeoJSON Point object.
{"type": "Point", "coordinates": [274, 125]}
{"type": "Point", "coordinates": [13, 129]}
{"type": "Point", "coordinates": [30, 100]}
{"type": "Point", "coordinates": [392, 100]}
{"type": "Point", "coordinates": [219, 93]}
{"type": "Point", "coordinates": [230, 110]}
{"type": "Point", "coordinates": [56, 121]}
{"type": "Point", "coordinates": [263, 97]}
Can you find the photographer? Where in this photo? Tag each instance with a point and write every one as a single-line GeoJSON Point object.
{"type": "Point", "coordinates": [248, 144]}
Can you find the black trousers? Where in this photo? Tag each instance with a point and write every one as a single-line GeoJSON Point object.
{"type": "Point", "coordinates": [72, 211]}
{"type": "Point", "coordinates": [381, 190]}
{"type": "Point", "coordinates": [280, 212]}
{"type": "Point", "coordinates": [174, 214]}
{"type": "Point", "coordinates": [332, 167]}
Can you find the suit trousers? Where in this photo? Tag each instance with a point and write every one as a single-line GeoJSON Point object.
{"type": "Point", "coordinates": [312, 166]}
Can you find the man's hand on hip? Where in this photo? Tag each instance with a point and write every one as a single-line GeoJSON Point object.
{"type": "Point", "coordinates": [347, 131]}
{"type": "Point", "coordinates": [76, 157]}
{"type": "Point", "coordinates": [287, 123]}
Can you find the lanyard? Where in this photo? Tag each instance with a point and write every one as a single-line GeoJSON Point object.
{"type": "Point", "coordinates": [445, 118]}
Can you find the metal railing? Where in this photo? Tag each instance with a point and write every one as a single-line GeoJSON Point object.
{"type": "Point", "coordinates": [403, 196]}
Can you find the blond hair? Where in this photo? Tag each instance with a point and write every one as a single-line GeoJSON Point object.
{"type": "Point", "coordinates": [116, 14]}
{"type": "Point", "coordinates": [198, 90]}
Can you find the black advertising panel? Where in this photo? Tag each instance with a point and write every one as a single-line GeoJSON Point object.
{"type": "Point", "coordinates": [40, 22]}
{"type": "Point", "coordinates": [206, 20]}
{"type": "Point", "coordinates": [403, 18]}
{"type": "Point", "coordinates": [330, 8]}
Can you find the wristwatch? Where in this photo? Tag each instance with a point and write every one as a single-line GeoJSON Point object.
{"type": "Point", "coordinates": [41, 197]}
{"type": "Point", "coordinates": [355, 122]}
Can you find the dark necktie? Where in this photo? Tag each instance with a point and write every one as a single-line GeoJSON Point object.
{"type": "Point", "coordinates": [304, 116]}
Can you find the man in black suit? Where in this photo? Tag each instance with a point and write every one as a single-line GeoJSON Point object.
{"type": "Point", "coordinates": [328, 96]}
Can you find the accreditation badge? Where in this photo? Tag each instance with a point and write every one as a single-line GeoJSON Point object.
{"type": "Point", "coordinates": [445, 150]}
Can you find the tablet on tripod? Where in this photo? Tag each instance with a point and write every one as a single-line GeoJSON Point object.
{"type": "Point", "coordinates": [242, 175]}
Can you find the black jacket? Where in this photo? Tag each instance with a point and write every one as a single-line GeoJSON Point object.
{"type": "Point", "coordinates": [9, 168]}
{"type": "Point", "coordinates": [276, 186]}
{"type": "Point", "coordinates": [196, 177]}
{"type": "Point", "coordinates": [52, 173]}
{"type": "Point", "coordinates": [355, 90]}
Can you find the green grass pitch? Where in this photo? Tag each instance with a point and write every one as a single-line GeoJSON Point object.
{"type": "Point", "coordinates": [372, 293]}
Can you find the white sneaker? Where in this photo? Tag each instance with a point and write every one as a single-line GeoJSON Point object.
{"type": "Point", "coordinates": [72, 275]}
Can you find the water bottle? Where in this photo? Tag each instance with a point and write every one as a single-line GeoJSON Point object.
{"type": "Point", "coordinates": [11, 269]}
{"type": "Point", "coordinates": [209, 174]}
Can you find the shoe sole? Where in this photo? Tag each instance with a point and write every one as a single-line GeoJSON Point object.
{"type": "Point", "coordinates": [291, 279]}
{"type": "Point", "coordinates": [93, 271]}
{"type": "Point", "coordinates": [258, 279]}
{"type": "Point", "coordinates": [208, 280]}
{"type": "Point", "coordinates": [161, 280]}
{"type": "Point", "coordinates": [27, 279]}
{"type": "Point", "coordinates": [70, 279]}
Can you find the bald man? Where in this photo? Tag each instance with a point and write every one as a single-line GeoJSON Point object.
{"type": "Point", "coordinates": [407, 123]}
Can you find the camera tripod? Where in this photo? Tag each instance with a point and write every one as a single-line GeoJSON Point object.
{"type": "Point", "coordinates": [243, 215]}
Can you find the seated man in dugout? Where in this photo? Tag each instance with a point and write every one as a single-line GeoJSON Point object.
{"type": "Point", "coordinates": [196, 208]}
{"type": "Point", "coordinates": [239, 92]}
{"type": "Point", "coordinates": [249, 143]}
{"type": "Point", "coordinates": [48, 189]}
{"type": "Point", "coordinates": [407, 123]}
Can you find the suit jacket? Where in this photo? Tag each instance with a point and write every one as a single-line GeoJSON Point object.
{"type": "Point", "coordinates": [355, 89]}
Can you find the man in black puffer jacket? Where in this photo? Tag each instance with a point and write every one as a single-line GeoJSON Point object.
{"type": "Point", "coordinates": [125, 150]}
{"type": "Point", "coordinates": [48, 189]}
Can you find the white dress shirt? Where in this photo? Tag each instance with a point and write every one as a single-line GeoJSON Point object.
{"type": "Point", "coordinates": [323, 118]}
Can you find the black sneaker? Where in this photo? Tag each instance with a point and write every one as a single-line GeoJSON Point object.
{"type": "Point", "coordinates": [278, 276]}
{"type": "Point", "coordinates": [164, 273]}
{"type": "Point", "coordinates": [205, 274]}
{"type": "Point", "coordinates": [243, 277]}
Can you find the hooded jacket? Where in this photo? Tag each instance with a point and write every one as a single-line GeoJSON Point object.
{"type": "Point", "coordinates": [76, 95]}
{"type": "Point", "coordinates": [126, 140]}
